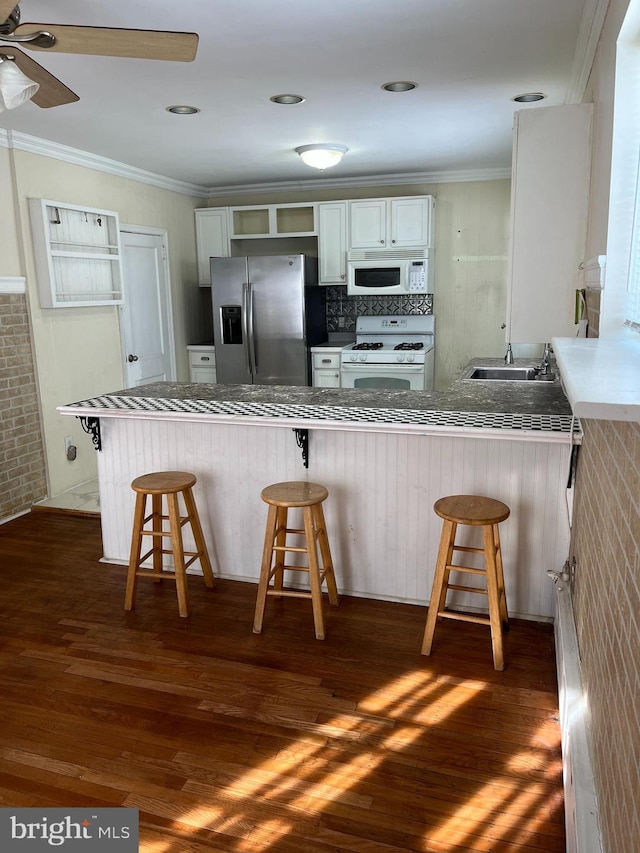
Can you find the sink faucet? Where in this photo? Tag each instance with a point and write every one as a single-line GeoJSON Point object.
{"type": "Point", "coordinates": [508, 359]}
{"type": "Point", "coordinates": [544, 370]}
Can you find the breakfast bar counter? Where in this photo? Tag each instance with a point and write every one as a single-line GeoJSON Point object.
{"type": "Point", "coordinates": [385, 456]}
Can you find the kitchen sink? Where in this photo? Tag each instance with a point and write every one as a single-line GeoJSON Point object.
{"type": "Point", "coordinates": [503, 374]}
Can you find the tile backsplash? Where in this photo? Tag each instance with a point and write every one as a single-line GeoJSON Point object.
{"type": "Point", "coordinates": [342, 310]}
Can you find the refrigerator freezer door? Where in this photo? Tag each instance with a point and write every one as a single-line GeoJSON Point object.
{"type": "Point", "coordinates": [277, 290]}
{"type": "Point", "coordinates": [230, 329]}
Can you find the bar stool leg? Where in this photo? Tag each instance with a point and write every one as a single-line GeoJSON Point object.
{"type": "Point", "coordinates": [314, 571]}
{"type": "Point", "coordinates": [280, 540]}
{"type": "Point", "coordinates": [156, 521]}
{"type": "Point", "coordinates": [502, 593]}
{"type": "Point", "coordinates": [325, 552]}
{"type": "Point", "coordinates": [440, 580]}
{"type": "Point", "coordinates": [198, 536]}
{"type": "Point", "coordinates": [134, 557]}
{"type": "Point", "coordinates": [265, 567]}
{"type": "Point", "coordinates": [178, 555]}
{"type": "Point", "coordinates": [493, 595]}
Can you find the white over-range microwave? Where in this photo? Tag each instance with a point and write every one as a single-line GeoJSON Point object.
{"type": "Point", "coordinates": [368, 275]}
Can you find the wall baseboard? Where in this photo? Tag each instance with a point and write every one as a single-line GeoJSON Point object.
{"type": "Point", "coordinates": [581, 809]}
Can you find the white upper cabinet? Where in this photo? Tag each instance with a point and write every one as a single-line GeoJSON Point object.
{"type": "Point", "coordinates": [332, 242]}
{"type": "Point", "coordinates": [77, 254]}
{"type": "Point", "coordinates": [212, 239]}
{"type": "Point", "coordinates": [391, 223]}
{"type": "Point", "coordinates": [549, 203]}
{"type": "Point", "coordinates": [273, 220]}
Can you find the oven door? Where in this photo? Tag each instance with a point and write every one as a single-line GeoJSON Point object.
{"type": "Point", "coordinates": [386, 376]}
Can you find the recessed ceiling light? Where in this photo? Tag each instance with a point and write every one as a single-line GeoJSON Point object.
{"type": "Point", "coordinates": [286, 99]}
{"type": "Point", "coordinates": [399, 86]}
{"type": "Point", "coordinates": [182, 110]}
{"type": "Point", "coordinates": [529, 97]}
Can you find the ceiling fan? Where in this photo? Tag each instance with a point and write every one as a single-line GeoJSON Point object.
{"type": "Point", "coordinates": [94, 41]}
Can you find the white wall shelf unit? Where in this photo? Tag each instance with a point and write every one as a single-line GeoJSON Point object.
{"type": "Point", "coordinates": [77, 254]}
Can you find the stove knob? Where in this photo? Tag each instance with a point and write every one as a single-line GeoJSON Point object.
{"type": "Point", "coordinates": [411, 357]}
{"type": "Point", "coordinates": [363, 357]}
{"type": "Point", "coordinates": [353, 357]}
{"type": "Point", "coordinates": [400, 357]}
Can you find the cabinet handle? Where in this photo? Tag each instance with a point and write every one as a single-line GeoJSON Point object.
{"type": "Point", "coordinates": [204, 358]}
{"type": "Point", "coordinates": [393, 241]}
{"type": "Point", "coordinates": [326, 361]}
{"type": "Point", "coordinates": [342, 276]}
{"type": "Point", "coordinates": [131, 358]}
{"type": "Point", "coordinates": [382, 241]}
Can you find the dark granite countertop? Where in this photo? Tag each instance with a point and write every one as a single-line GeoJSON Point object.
{"type": "Point", "coordinates": [522, 407]}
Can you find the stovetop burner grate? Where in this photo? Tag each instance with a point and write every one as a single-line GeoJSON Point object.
{"type": "Point", "coordinates": [410, 346]}
{"type": "Point", "coordinates": [367, 345]}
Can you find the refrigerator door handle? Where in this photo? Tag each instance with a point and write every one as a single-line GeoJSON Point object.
{"type": "Point", "coordinates": [252, 342]}
{"type": "Point", "coordinates": [245, 326]}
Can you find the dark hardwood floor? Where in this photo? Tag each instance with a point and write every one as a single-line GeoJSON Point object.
{"type": "Point", "coordinates": [279, 743]}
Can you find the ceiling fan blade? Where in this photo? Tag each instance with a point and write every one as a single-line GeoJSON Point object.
{"type": "Point", "coordinates": [6, 8]}
{"type": "Point", "coordinates": [104, 41]}
{"type": "Point", "coordinates": [52, 93]}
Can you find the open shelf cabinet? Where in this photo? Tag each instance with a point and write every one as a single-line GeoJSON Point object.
{"type": "Point", "coordinates": [77, 254]}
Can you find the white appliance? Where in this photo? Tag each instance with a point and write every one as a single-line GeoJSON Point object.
{"type": "Point", "coordinates": [396, 353]}
{"type": "Point", "coordinates": [372, 273]}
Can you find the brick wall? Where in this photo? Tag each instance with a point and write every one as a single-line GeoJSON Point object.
{"type": "Point", "coordinates": [22, 468]}
{"type": "Point", "coordinates": [606, 545]}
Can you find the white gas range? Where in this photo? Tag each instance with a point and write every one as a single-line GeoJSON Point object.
{"type": "Point", "coordinates": [391, 352]}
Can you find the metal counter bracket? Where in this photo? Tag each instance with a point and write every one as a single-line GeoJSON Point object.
{"type": "Point", "coordinates": [302, 440]}
{"type": "Point", "coordinates": [92, 427]}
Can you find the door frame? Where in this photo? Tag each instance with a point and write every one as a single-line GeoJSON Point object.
{"type": "Point", "coordinates": [153, 232]}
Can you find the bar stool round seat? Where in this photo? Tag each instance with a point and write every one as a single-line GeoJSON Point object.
{"type": "Point", "coordinates": [281, 497]}
{"type": "Point", "coordinates": [167, 486]}
{"type": "Point", "coordinates": [474, 511]}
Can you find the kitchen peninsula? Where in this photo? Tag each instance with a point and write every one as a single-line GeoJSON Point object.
{"type": "Point", "coordinates": [385, 457]}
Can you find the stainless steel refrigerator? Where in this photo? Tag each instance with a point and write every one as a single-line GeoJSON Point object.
{"type": "Point", "coordinates": [268, 310]}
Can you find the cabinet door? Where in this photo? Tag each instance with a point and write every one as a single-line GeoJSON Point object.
{"type": "Point", "coordinates": [326, 378]}
{"type": "Point", "coordinates": [368, 223]}
{"type": "Point", "coordinates": [549, 200]}
{"type": "Point", "coordinates": [203, 374]}
{"type": "Point", "coordinates": [410, 222]}
{"type": "Point", "coordinates": [332, 242]}
{"type": "Point", "coordinates": [212, 239]}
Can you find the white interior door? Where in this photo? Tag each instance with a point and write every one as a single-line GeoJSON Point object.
{"type": "Point", "coordinates": [146, 314]}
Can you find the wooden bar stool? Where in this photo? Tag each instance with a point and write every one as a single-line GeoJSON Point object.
{"type": "Point", "coordinates": [482, 512]}
{"type": "Point", "coordinates": [281, 497]}
{"type": "Point", "coordinates": [156, 486]}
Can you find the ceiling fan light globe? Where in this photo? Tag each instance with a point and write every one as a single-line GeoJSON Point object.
{"type": "Point", "coordinates": [15, 87]}
{"type": "Point", "coordinates": [321, 156]}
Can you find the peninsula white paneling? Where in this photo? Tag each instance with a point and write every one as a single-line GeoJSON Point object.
{"type": "Point", "coordinates": [382, 527]}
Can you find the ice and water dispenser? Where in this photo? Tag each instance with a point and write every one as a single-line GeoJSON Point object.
{"type": "Point", "coordinates": [231, 316]}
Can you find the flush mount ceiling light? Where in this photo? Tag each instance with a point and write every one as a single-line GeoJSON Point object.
{"type": "Point", "coordinates": [286, 99]}
{"type": "Point", "coordinates": [321, 155]}
{"type": "Point", "coordinates": [399, 86]}
{"type": "Point", "coordinates": [15, 87]}
{"type": "Point", "coordinates": [529, 97]}
{"type": "Point", "coordinates": [182, 110]}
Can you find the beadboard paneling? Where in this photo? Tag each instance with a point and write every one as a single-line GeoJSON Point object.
{"type": "Point", "coordinates": [382, 527]}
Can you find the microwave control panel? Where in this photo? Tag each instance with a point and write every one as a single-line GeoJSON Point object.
{"type": "Point", "coordinates": [417, 277]}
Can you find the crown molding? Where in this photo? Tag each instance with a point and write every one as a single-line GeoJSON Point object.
{"type": "Point", "coordinates": [12, 284]}
{"type": "Point", "coordinates": [368, 181]}
{"type": "Point", "coordinates": [593, 16]}
{"type": "Point", "coordinates": [46, 148]}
